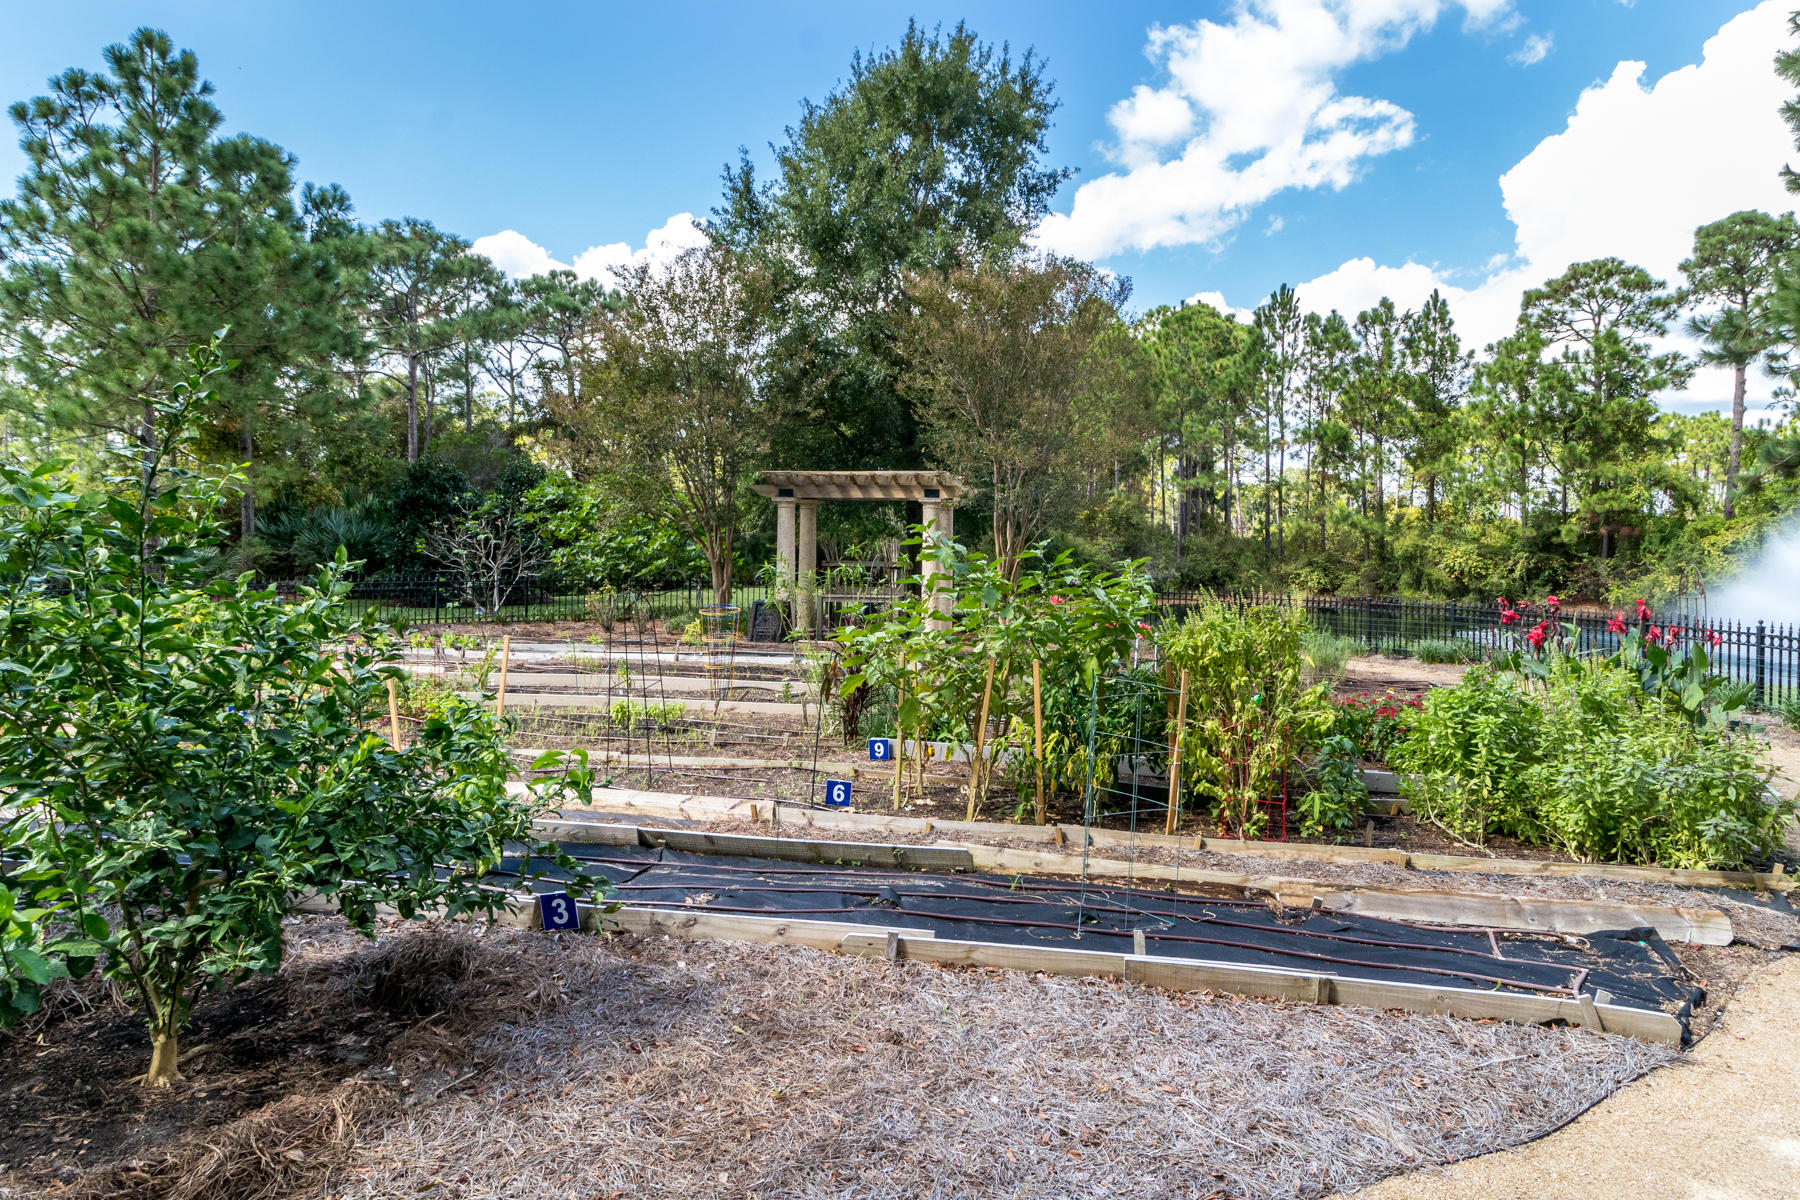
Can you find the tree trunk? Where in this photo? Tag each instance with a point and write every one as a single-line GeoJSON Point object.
{"type": "Point", "coordinates": [718, 561]}
{"type": "Point", "coordinates": [412, 408]}
{"type": "Point", "coordinates": [1737, 441]}
{"type": "Point", "coordinates": [165, 1053]}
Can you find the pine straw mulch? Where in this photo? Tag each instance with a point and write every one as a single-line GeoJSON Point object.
{"type": "Point", "coordinates": [525, 1064]}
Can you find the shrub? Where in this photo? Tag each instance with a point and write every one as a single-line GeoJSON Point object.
{"type": "Point", "coordinates": [1395, 647]}
{"type": "Point", "coordinates": [1373, 724]}
{"type": "Point", "coordinates": [1590, 763]}
{"type": "Point", "coordinates": [1444, 650]}
{"type": "Point", "coordinates": [185, 755]}
{"type": "Point", "coordinates": [1467, 754]}
{"type": "Point", "coordinates": [1250, 710]}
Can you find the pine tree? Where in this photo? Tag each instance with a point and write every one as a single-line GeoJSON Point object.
{"type": "Point", "coordinates": [1733, 267]}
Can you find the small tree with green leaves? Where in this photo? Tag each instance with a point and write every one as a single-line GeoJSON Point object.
{"type": "Point", "coordinates": [184, 755]}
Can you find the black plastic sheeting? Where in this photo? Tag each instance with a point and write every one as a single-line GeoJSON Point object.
{"type": "Point", "coordinates": [1635, 966]}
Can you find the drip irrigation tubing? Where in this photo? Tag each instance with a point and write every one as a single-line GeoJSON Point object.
{"type": "Point", "coordinates": [1160, 937]}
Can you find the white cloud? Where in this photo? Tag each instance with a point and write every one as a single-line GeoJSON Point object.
{"type": "Point", "coordinates": [1217, 300]}
{"type": "Point", "coordinates": [519, 256]}
{"type": "Point", "coordinates": [1259, 97]}
{"type": "Point", "coordinates": [1534, 50]}
{"type": "Point", "coordinates": [515, 254]}
{"type": "Point", "coordinates": [1276, 225]}
{"type": "Point", "coordinates": [1636, 168]}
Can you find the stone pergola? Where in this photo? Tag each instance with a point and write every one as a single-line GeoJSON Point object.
{"type": "Point", "coordinates": [797, 494]}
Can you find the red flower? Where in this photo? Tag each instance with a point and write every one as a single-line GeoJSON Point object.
{"type": "Point", "coordinates": [1144, 625]}
{"type": "Point", "coordinates": [1501, 601]}
{"type": "Point", "coordinates": [1552, 603]}
{"type": "Point", "coordinates": [1616, 624]}
{"type": "Point", "coordinates": [1539, 632]}
{"type": "Point", "coordinates": [1713, 639]}
{"type": "Point", "coordinates": [1674, 632]}
{"type": "Point", "coordinates": [1654, 637]}
{"type": "Point", "coordinates": [1057, 600]}
{"type": "Point", "coordinates": [1643, 610]}
{"type": "Point", "coordinates": [1509, 617]}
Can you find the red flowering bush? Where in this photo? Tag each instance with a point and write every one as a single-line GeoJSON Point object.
{"type": "Point", "coordinates": [1374, 724]}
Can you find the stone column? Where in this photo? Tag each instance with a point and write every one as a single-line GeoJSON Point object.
{"type": "Point", "coordinates": [806, 558]}
{"type": "Point", "coordinates": [784, 537]}
{"type": "Point", "coordinates": [939, 519]}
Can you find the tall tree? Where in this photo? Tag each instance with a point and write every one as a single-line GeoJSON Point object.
{"type": "Point", "coordinates": [1281, 328]}
{"type": "Point", "coordinates": [928, 158]}
{"type": "Point", "coordinates": [138, 233]}
{"type": "Point", "coordinates": [1203, 369]}
{"type": "Point", "coordinates": [425, 288]}
{"type": "Point", "coordinates": [1437, 371]}
{"type": "Point", "coordinates": [1603, 314]}
{"type": "Point", "coordinates": [557, 318]}
{"type": "Point", "coordinates": [1025, 378]}
{"type": "Point", "coordinates": [672, 407]}
{"type": "Point", "coordinates": [1730, 273]}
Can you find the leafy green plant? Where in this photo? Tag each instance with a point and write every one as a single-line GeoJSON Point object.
{"type": "Point", "coordinates": [1450, 651]}
{"type": "Point", "coordinates": [1589, 762]}
{"type": "Point", "coordinates": [934, 670]}
{"type": "Point", "coordinates": [184, 755]}
{"type": "Point", "coordinates": [1251, 713]}
{"type": "Point", "coordinates": [1373, 723]}
{"type": "Point", "coordinates": [1395, 647]}
{"type": "Point", "coordinates": [1338, 795]}
{"type": "Point", "coordinates": [1326, 653]}
{"type": "Point", "coordinates": [1465, 758]}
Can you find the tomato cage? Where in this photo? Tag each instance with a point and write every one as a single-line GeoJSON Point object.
{"type": "Point", "coordinates": [1131, 762]}
{"type": "Point", "coordinates": [718, 646]}
{"type": "Point", "coordinates": [1257, 758]}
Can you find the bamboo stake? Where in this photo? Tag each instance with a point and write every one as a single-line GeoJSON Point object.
{"type": "Point", "coordinates": [505, 658]}
{"type": "Point", "coordinates": [393, 714]}
{"type": "Point", "coordinates": [1037, 721]}
{"type": "Point", "coordinates": [975, 768]}
{"type": "Point", "coordinates": [899, 745]}
{"type": "Point", "coordinates": [1175, 756]}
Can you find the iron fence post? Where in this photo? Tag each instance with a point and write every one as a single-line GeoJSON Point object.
{"type": "Point", "coordinates": [1369, 621]}
{"type": "Point", "coordinates": [1762, 691]}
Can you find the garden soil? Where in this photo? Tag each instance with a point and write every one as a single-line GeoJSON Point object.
{"type": "Point", "coordinates": [1722, 1125]}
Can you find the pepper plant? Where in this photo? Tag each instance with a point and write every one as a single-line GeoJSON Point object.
{"type": "Point", "coordinates": [183, 755]}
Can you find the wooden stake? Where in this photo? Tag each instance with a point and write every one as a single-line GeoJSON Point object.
{"type": "Point", "coordinates": [393, 713]}
{"type": "Point", "coordinates": [505, 658]}
{"type": "Point", "coordinates": [976, 767]}
{"type": "Point", "coordinates": [1037, 722]}
{"type": "Point", "coordinates": [899, 746]}
{"type": "Point", "coordinates": [1175, 756]}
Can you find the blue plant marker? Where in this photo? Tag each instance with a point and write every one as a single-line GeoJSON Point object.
{"type": "Point", "coordinates": [880, 749]}
{"type": "Point", "coordinates": [558, 911]}
{"type": "Point", "coordinates": [837, 793]}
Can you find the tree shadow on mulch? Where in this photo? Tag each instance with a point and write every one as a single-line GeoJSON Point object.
{"type": "Point", "coordinates": [283, 1075]}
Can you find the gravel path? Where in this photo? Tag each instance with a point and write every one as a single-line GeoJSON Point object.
{"type": "Point", "coordinates": [1722, 1125]}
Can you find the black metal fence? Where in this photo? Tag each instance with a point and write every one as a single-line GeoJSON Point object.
{"type": "Point", "coordinates": [1761, 653]}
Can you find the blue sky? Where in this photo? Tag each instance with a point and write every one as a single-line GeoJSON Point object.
{"type": "Point", "coordinates": [580, 125]}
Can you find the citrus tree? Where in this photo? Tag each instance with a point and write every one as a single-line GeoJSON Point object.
{"type": "Point", "coordinates": [183, 755]}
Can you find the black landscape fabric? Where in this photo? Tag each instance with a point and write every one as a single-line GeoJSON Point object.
{"type": "Point", "coordinates": [1634, 966]}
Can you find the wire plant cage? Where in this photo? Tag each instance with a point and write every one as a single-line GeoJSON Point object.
{"type": "Point", "coordinates": [718, 645]}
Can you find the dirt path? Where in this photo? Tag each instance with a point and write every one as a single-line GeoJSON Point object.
{"type": "Point", "coordinates": [1722, 1124]}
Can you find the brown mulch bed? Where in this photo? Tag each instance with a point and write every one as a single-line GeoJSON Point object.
{"type": "Point", "coordinates": [510, 1063]}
